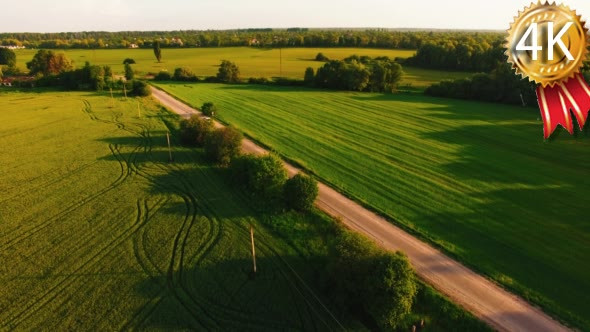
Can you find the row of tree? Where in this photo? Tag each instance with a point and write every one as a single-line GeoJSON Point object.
{"type": "Point", "coordinates": [55, 69]}
{"type": "Point", "coordinates": [263, 178]}
{"type": "Point", "coordinates": [361, 279]}
{"type": "Point", "coordinates": [379, 38]}
{"type": "Point", "coordinates": [228, 72]}
{"type": "Point", "coordinates": [501, 86]}
{"type": "Point", "coordinates": [466, 55]}
{"type": "Point", "coordinates": [356, 74]}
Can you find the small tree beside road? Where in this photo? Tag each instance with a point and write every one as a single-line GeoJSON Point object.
{"type": "Point", "coordinates": [223, 145]}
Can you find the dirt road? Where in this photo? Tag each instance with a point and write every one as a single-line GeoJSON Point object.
{"type": "Point", "coordinates": [501, 309]}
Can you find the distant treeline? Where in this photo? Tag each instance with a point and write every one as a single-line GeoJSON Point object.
{"type": "Point", "coordinates": [468, 54]}
{"type": "Point", "coordinates": [356, 73]}
{"type": "Point", "coordinates": [500, 86]}
{"type": "Point", "coordinates": [293, 37]}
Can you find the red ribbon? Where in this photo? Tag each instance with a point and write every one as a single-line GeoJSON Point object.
{"type": "Point", "coordinates": [557, 101]}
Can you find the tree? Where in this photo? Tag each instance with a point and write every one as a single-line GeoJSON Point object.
{"type": "Point", "coordinates": [228, 72]}
{"type": "Point", "coordinates": [129, 74]}
{"type": "Point", "coordinates": [263, 177]}
{"type": "Point", "coordinates": [140, 88]}
{"type": "Point", "coordinates": [300, 192]}
{"type": "Point", "coordinates": [321, 57]}
{"type": "Point", "coordinates": [309, 77]}
{"type": "Point", "coordinates": [195, 129]}
{"type": "Point", "coordinates": [49, 63]}
{"type": "Point", "coordinates": [266, 178]}
{"type": "Point", "coordinates": [208, 109]}
{"type": "Point", "coordinates": [163, 76]}
{"type": "Point", "coordinates": [368, 280]}
{"type": "Point", "coordinates": [7, 57]}
{"type": "Point", "coordinates": [129, 61]}
{"type": "Point", "coordinates": [157, 50]}
{"type": "Point", "coordinates": [1, 75]}
{"type": "Point", "coordinates": [390, 289]}
{"type": "Point", "coordinates": [223, 145]}
{"type": "Point", "coordinates": [185, 74]}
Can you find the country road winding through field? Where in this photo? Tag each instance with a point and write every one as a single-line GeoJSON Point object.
{"type": "Point", "coordinates": [491, 303]}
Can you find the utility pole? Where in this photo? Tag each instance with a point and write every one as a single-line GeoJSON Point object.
{"type": "Point", "coordinates": [138, 110]}
{"type": "Point", "coordinates": [125, 91]}
{"type": "Point", "coordinates": [253, 249]}
{"type": "Point", "coordinates": [280, 62]}
{"type": "Point", "coordinates": [169, 148]}
{"type": "Point", "coordinates": [112, 98]}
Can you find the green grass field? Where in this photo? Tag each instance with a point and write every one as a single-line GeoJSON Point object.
{"type": "Point", "coordinates": [98, 231]}
{"type": "Point", "coordinates": [474, 178]}
{"type": "Point", "coordinates": [253, 62]}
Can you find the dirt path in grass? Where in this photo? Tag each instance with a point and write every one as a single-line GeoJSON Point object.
{"type": "Point", "coordinates": [502, 310]}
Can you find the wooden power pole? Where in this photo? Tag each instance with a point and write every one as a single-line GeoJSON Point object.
{"type": "Point", "coordinates": [280, 62]}
{"type": "Point", "coordinates": [169, 148]}
{"type": "Point", "coordinates": [253, 249]}
{"type": "Point", "coordinates": [138, 110]}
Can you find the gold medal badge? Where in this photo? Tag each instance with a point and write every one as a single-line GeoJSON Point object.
{"type": "Point", "coordinates": [547, 43]}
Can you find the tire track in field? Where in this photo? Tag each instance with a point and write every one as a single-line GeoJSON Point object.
{"type": "Point", "coordinates": [125, 173]}
{"type": "Point", "coordinates": [128, 167]}
{"type": "Point", "coordinates": [54, 291]}
{"type": "Point", "coordinates": [309, 307]}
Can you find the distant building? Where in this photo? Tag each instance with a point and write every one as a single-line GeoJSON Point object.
{"type": "Point", "coordinates": [133, 46]}
{"type": "Point", "coordinates": [176, 41]}
{"type": "Point", "coordinates": [12, 47]}
{"type": "Point", "coordinates": [10, 81]}
{"type": "Point", "coordinates": [254, 42]}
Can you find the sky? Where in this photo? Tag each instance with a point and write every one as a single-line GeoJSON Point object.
{"type": "Point", "coordinates": [124, 15]}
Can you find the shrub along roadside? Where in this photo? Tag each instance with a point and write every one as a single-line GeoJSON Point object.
{"type": "Point", "coordinates": [140, 88]}
{"type": "Point", "coordinates": [350, 268]}
{"type": "Point", "coordinates": [363, 278]}
{"type": "Point", "coordinates": [194, 130]}
{"type": "Point", "coordinates": [223, 145]}
{"type": "Point", "coordinates": [301, 192]}
{"type": "Point", "coordinates": [208, 109]}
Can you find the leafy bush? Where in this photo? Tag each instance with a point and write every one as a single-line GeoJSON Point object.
{"type": "Point", "coordinates": [300, 192]}
{"type": "Point", "coordinates": [7, 57]}
{"type": "Point", "coordinates": [128, 61]}
{"type": "Point", "coordinates": [223, 145]}
{"type": "Point", "coordinates": [49, 63]}
{"type": "Point", "coordinates": [163, 76]}
{"type": "Point", "coordinates": [185, 74]}
{"type": "Point", "coordinates": [129, 74]}
{"type": "Point", "coordinates": [321, 57]}
{"type": "Point", "coordinates": [89, 77]}
{"type": "Point", "coordinates": [258, 80]}
{"type": "Point", "coordinates": [194, 130]}
{"type": "Point", "coordinates": [358, 73]}
{"type": "Point", "coordinates": [283, 81]}
{"type": "Point", "coordinates": [371, 282]}
{"type": "Point", "coordinates": [13, 71]}
{"type": "Point", "coordinates": [211, 79]}
{"type": "Point", "coordinates": [228, 72]}
{"type": "Point", "coordinates": [499, 86]}
{"type": "Point", "coordinates": [140, 88]}
{"type": "Point", "coordinates": [208, 109]}
{"type": "Point", "coordinates": [263, 177]}
{"type": "Point", "coordinates": [309, 76]}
